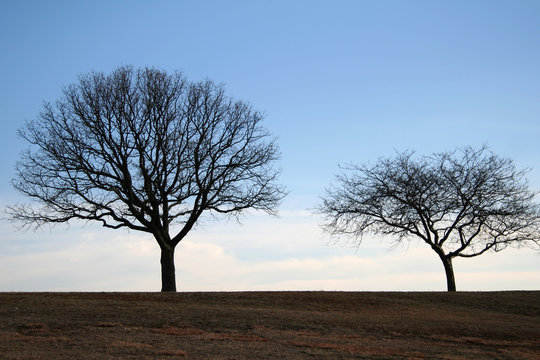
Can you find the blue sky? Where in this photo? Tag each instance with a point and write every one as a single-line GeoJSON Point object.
{"type": "Point", "coordinates": [340, 82]}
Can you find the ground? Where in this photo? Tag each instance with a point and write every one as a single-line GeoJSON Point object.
{"type": "Point", "coordinates": [268, 325]}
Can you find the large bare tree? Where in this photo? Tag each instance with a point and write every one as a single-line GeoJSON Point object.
{"type": "Point", "coordinates": [145, 150]}
{"type": "Point", "coordinates": [461, 203]}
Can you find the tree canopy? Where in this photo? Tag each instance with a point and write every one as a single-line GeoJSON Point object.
{"type": "Point", "coordinates": [149, 151]}
{"type": "Point", "coordinates": [461, 203]}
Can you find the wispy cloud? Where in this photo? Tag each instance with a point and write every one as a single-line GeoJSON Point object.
{"type": "Point", "coordinates": [279, 254]}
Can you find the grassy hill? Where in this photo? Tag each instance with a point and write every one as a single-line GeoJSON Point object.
{"type": "Point", "coordinates": [268, 325]}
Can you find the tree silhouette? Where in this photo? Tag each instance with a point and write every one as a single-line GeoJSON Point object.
{"type": "Point", "coordinates": [461, 203]}
{"type": "Point", "coordinates": [145, 150]}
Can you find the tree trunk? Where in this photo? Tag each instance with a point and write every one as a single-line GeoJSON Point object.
{"type": "Point", "coordinates": [168, 277]}
{"type": "Point", "coordinates": [449, 270]}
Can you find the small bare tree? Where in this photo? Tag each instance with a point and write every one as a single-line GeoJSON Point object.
{"type": "Point", "coordinates": [461, 203]}
{"type": "Point", "coordinates": [149, 151]}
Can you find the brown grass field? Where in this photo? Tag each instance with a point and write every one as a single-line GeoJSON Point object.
{"type": "Point", "coordinates": [268, 325]}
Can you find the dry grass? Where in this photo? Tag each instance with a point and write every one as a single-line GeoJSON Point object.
{"type": "Point", "coordinates": [292, 325]}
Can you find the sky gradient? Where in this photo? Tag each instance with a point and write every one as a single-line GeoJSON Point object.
{"type": "Point", "coordinates": [339, 81]}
